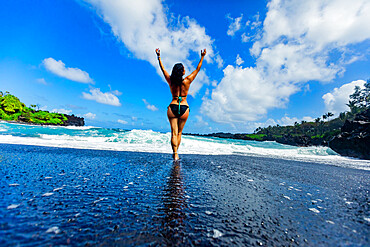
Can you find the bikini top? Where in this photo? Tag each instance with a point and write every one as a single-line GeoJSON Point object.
{"type": "Point", "coordinates": [179, 99]}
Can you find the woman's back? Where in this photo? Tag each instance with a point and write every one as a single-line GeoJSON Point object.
{"type": "Point", "coordinates": [180, 90]}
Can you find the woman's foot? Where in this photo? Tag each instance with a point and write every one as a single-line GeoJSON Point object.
{"type": "Point", "coordinates": [175, 156]}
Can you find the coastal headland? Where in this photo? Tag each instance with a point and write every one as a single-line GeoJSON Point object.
{"type": "Point", "coordinates": [14, 111]}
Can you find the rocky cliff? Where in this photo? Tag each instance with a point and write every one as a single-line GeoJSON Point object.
{"type": "Point", "coordinates": [74, 121]}
{"type": "Point", "coordinates": [354, 139]}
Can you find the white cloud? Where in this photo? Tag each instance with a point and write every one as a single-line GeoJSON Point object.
{"type": "Point", "coordinates": [336, 100]}
{"type": "Point", "coordinates": [234, 25]}
{"type": "Point", "coordinates": [245, 38]}
{"type": "Point", "coordinates": [116, 92]}
{"type": "Point", "coordinates": [200, 121]}
{"type": "Point", "coordinates": [43, 108]}
{"type": "Point", "coordinates": [143, 26]}
{"type": "Point", "coordinates": [60, 69]}
{"type": "Point", "coordinates": [63, 111]}
{"type": "Point", "coordinates": [316, 22]}
{"type": "Point", "coordinates": [244, 95]}
{"type": "Point", "coordinates": [294, 48]}
{"type": "Point", "coordinates": [308, 119]}
{"type": "Point", "coordinates": [149, 106]}
{"type": "Point", "coordinates": [41, 81]}
{"type": "Point", "coordinates": [239, 60]}
{"type": "Point", "coordinates": [284, 121]}
{"type": "Point", "coordinates": [89, 115]}
{"type": "Point", "coordinates": [100, 97]}
{"type": "Point", "coordinates": [122, 121]}
{"type": "Point", "coordinates": [252, 29]}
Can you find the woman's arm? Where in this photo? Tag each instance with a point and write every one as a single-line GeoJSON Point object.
{"type": "Point", "coordinates": [192, 76]}
{"type": "Point", "coordinates": [165, 73]}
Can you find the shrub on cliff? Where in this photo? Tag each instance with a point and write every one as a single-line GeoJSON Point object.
{"type": "Point", "coordinates": [12, 109]}
{"type": "Point", "coordinates": [11, 104]}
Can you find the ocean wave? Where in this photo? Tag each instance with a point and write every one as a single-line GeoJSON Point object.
{"type": "Point", "coordinates": [150, 141]}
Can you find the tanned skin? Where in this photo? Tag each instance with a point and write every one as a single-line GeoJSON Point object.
{"type": "Point", "coordinates": [177, 124]}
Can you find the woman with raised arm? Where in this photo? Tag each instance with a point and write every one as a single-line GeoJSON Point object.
{"type": "Point", "coordinates": [178, 110]}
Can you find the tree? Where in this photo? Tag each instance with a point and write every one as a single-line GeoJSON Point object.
{"type": "Point", "coordinates": [342, 116]}
{"type": "Point", "coordinates": [356, 96]}
{"type": "Point", "coordinates": [11, 104]}
{"type": "Point", "coordinates": [317, 122]}
{"type": "Point", "coordinates": [324, 116]}
{"type": "Point", "coordinates": [365, 93]}
{"type": "Point", "coordinates": [360, 99]}
{"type": "Point", "coordinates": [322, 123]}
{"type": "Point", "coordinates": [329, 114]}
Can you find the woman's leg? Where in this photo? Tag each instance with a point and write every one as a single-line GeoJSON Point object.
{"type": "Point", "coordinates": [174, 132]}
{"type": "Point", "coordinates": [181, 124]}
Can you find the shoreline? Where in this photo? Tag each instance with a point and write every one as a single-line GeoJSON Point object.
{"type": "Point", "coordinates": [343, 161]}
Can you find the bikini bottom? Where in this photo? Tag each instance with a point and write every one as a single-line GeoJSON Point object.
{"type": "Point", "coordinates": [175, 109]}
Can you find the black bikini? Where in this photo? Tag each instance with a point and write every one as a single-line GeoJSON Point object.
{"type": "Point", "coordinates": [178, 110]}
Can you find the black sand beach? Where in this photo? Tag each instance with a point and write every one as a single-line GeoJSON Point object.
{"type": "Point", "coordinates": [58, 196]}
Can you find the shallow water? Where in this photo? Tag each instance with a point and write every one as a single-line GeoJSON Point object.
{"type": "Point", "coordinates": [69, 196]}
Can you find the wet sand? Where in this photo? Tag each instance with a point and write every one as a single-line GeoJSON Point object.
{"type": "Point", "coordinates": [62, 196]}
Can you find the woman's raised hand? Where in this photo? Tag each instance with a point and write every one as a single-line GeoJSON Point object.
{"type": "Point", "coordinates": [203, 53]}
{"type": "Point", "coordinates": [158, 52]}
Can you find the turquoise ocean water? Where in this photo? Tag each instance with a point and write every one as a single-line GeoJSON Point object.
{"type": "Point", "coordinates": [136, 140]}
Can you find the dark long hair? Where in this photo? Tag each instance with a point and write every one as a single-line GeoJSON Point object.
{"type": "Point", "coordinates": [177, 73]}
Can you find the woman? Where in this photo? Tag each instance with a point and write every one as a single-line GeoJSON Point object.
{"type": "Point", "coordinates": [178, 110]}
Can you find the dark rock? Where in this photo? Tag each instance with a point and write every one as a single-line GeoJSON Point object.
{"type": "Point", "coordinates": [74, 121]}
{"type": "Point", "coordinates": [354, 140]}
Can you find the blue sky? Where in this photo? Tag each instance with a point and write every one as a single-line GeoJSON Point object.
{"type": "Point", "coordinates": [268, 62]}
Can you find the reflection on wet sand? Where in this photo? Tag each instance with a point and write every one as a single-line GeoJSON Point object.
{"type": "Point", "coordinates": [174, 203]}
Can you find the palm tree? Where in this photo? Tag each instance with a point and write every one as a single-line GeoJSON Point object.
{"type": "Point", "coordinates": [342, 116]}
{"type": "Point", "coordinates": [329, 114]}
{"type": "Point", "coordinates": [322, 123]}
{"type": "Point", "coordinates": [317, 121]}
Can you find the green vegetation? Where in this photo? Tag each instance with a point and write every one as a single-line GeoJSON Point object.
{"type": "Point", "coordinates": [319, 131]}
{"type": "Point", "coordinates": [257, 137]}
{"type": "Point", "coordinates": [12, 109]}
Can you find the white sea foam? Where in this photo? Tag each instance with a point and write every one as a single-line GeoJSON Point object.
{"type": "Point", "coordinates": [13, 206]}
{"type": "Point", "coordinates": [57, 189]}
{"type": "Point", "coordinates": [53, 229]}
{"type": "Point", "coordinates": [100, 199]}
{"type": "Point", "coordinates": [287, 197]}
{"type": "Point", "coordinates": [314, 210]}
{"type": "Point", "coordinates": [217, 233]}
{"type": "Point", "coordinates": [90, 137]}
{"type": "Point", "coordinates": [48, 194]}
